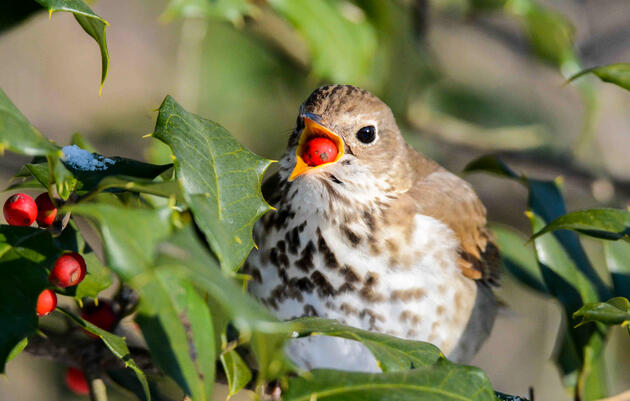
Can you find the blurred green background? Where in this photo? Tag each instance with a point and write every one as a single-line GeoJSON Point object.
{"type": "Point", "coordinates": [464, 78]}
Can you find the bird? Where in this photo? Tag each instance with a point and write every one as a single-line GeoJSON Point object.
{"type": "Point", "coordinates": [373, 235]}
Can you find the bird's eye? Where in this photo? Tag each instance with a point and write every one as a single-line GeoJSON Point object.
{"type": "Point", "coordinates": [367, 134]}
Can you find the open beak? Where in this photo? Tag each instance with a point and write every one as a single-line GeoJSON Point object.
{"type": "Point", "coordinates": [313, 129]}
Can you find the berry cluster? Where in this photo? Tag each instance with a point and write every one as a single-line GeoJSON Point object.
{"type": "Point", "coordinates": [69, 269]}
{"type": "Point", "coordinates": [22, 210]}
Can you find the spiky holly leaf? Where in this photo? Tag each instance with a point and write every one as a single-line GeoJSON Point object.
{"type": "Point", "coordinates": [18, 135]}
{"type": "Point", "coordinates": [439, 382]}
{"type": "Point", "coordinates": [618, 74]}
{"type": "Point", "coordinates": [612, 224]}
{"type": "Point", "coordinates": [220, 180]}
{"type": "Point", "coordinates": [91, 23]}
{"type": "Point", "coordinates": [392, 353]}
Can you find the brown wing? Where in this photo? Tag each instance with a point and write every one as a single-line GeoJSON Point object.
{"type": "Point", "coordinates": [446, 197]}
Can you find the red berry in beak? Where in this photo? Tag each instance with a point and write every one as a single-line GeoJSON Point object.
{"type": "Point", "coordinates": [68, 270]}
{"type": "Point", "coordinates": [75, 380]}
{"type": "Point", "coordinates": [20, 210]}
{"type": "Point", "coordinates": [318, 151]}
{"type": "Point", "coordinates": [46, 211]}
{"type": "Point", "coordinates": [46, 302]}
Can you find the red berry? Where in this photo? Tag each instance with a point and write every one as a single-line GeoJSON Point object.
{"type": "Point", "coordinates": [101, 315]}
{"type": "Point", "coordinates": [46, 302]}
{"type": "Point", "coordinates": [20, 210]}
{"type": "Point", "coordinates": [319, 151]}
{"type": "Point", "coordinates": [68, 270]}
{"type": "Point", "coordinates": [46, 210]}
{"type": "Point", "coordinates": [75, 380]}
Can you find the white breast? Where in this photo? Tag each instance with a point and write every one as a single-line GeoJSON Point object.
{"type": "Point", "coordinates": [427, 300]}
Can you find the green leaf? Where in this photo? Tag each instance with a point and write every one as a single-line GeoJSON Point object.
{"type": "Point", "coordinates": [612, 312]}
{"type": "Point", "coordinates": [550, 34]}
{"type": "Point", "coordinates": [220, 179]}
{"type": "Point", "coordinates": [546, 201]}
{"type": "Point", "coordinates": [176, 324]}
{"type": "Point", "coordinates": [115, 344]}
{"type": "Point", "coordinates": [572, 288]}
{"type": "Point", "coordinates": [88, 180]}
{"type": "Point", "coordinates": [236, 371]}
{"type": "Point", "coordinates": [159, 188]}
{"type": "Point", "coordinates": [618, 74]}
{"type": "Point", "coordinates": [617, 256]}
{"type": "Point", "coordinates": [518, 257]}
{"type": "Point", "coordinates": [91, 23]}
{"type": "Point", "coordinates": [18, 135]}
{"type": "Point", "coordinates": [568, 276]}
{"type": "Point", "coordinates": [392, 353]}
{"type": "Point", "coordinates": [490, 164]}
{"type": "Point", "coordinates": [231, 10]}
{"type": "Point", "coordinates": [440, 382]}
{"type": "Point", "coordinates": [174, 319]}
{"type": "Point", "coordinates": [264, 333]}
{"type": "Point", "coordinates": [97, 279]}
{"type": "Point", "coordinates": [63, 179]}
{"type": "Point", "coordinates": [110, 166]}
{"type": "Point", "coordinates": [17, 350]}
{"type": "Point", "coordinates": [611, 224]}
{"type": "Point", "coordinates": [129, 235]}
{"type": "Point", "coordinates": [127, 380]}
{"type": "Point", "coordinates": [24, 253]}
{"type": "Point", "coordinates": [342, 47]}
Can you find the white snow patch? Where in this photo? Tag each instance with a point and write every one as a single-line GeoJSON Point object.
{"type": "Point", "coordinates": [81, 159]}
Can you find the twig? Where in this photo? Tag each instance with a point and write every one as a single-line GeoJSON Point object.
{"type": "Point", "coordinates": [77, 352]}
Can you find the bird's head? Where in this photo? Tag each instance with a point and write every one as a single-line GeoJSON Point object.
{"type": "Point", "coordinates": [347, 137]}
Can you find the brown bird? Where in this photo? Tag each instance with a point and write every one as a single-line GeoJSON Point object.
{"type": "Point", "coordinates": [375, 236]}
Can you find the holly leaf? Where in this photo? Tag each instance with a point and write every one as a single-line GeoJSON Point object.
{"type": "Point", "coordinates": [439, 382]}
{"type": "Point", "coordinates": [129, 235]}
{"type": "Point", "coordinates": [220, 180]}
{"type": "Point", "coordinates": [612, 312]}
{"type": "Point", "coordinates": [176, 324]}
{"type": "Point", "coordinates": [116, 344]}
{"type": "Point", "coordinates": [391, 353]}
{"type": "Point", "coordinates": [236, 371]}
{"type": "Point", "coordinates": [159, 188]}
{"type": "Point", "coordinates": [568, 276]}
{"type": "Point", "coordinates": [618, 74]}
{"type": "Point", "coordinates": [18, 135]}
{"type": "Point", "coordinates": [611, 224]}
{"type": "Point", "coordinates": [91, 23]}
{"type": "Point", "coordinates": [97, 279]}
{"type": "Point", "coordinates": [265, 334]}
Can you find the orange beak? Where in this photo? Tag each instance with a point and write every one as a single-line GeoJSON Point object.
{"type": "Point", "coordinates": [312, 130]}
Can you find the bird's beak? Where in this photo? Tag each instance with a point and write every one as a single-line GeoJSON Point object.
{"type": "Point", "coordinates": [313, 129]}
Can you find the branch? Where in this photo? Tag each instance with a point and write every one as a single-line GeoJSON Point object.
{"type": "Point", "coordinates": [77, 352]}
